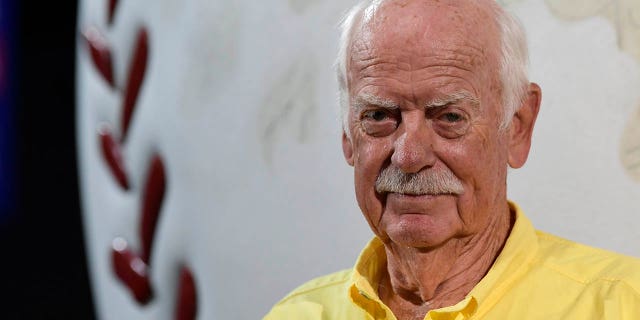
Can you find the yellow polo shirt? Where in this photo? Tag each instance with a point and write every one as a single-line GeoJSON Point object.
{"type": "Point", "coordinates": [536, 276]}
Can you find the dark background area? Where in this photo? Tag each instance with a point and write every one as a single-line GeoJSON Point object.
{"type": "Point", "coordinates": [43, 263]}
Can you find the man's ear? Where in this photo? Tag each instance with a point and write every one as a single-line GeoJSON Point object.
{"type": "Point", "coordinates": [347, 148]}
{"type": "Point", "coordinates": [522, 127]}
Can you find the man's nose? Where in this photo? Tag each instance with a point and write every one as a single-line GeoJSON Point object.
{"type": "Point", "coordinates": [413, 150]}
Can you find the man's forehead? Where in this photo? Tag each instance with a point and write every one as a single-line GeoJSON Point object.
{"type": "Point", "coordinates": [392, 22]}
{"type": "Point", "coordinates": [465, 7]}
{"type": "Point", "coordinates": [414, 34]}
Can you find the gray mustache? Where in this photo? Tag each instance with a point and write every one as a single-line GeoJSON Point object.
{"type": "Point", "coordinates": [429, 181]}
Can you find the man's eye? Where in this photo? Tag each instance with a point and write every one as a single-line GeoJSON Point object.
{"type": "Point", "coordinates": [451, 123]}
{"type": "Point", "coordinates": [452, 117]}
{"type": "Point", "coordinates": [379, 122]}
{"type": "Point", "coordinates": [377, 115]}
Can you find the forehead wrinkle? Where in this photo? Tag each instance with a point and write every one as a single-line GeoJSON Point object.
{"type": "Point", "coordinates": [371, 60]}
{"type": "Point", "coordinates": [368, 61]}
{"type": "Point", "coordinates": [464, 57]}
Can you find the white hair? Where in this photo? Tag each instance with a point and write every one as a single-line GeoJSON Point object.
{"type": "Point", "coordinates": [513, 64]}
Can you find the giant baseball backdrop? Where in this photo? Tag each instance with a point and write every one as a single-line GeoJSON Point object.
{"type": "Point", "coordinates": [211, 172]}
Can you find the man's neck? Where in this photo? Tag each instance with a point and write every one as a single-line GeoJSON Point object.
{"type": "Point", "coordinates": [419, 280]}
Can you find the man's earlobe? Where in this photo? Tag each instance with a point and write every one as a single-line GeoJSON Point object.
{"type": "Point", "coordinates": [347, 148]}
{"type": "Point", "coordinates": [522, 125]}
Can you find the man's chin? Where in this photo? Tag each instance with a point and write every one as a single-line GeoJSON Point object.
{"type": "Point", "coordinates": [419, 230]}
{"type": "Point", "coordinates": [420, 220]}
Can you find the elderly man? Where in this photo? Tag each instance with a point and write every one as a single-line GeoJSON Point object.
{"type": "Point", "coordinates": [436, 106]}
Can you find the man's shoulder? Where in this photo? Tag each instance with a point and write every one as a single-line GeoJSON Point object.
{"type": "Point", "coordinates": [319, 298]}
{"type": "Point", "coordinates": [586, 264]}
{"type": "Point", "coordinates": [319, 287]}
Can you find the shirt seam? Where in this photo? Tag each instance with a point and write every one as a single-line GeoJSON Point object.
{"type": "Point", "coordinates": [621, 281]}
{"type": "Point", "coordinates": [314, 288]}
{"type": "Point", "coordinates": [588, 281]}
{"type": "Point", "coordinates": [565, 274]}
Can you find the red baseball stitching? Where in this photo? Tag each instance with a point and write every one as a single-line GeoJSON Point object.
{"type": "Point", "coordinates": [132, 268]}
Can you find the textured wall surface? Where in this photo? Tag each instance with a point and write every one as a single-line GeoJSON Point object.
{"type": "Point", "coordinates": [581, 179]}
{"type": "Point", "coordinates": [238, 103]}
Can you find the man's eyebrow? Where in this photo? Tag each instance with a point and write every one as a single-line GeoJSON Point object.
{"type": "Point", "coordinates": [364, 100]}
{"type": "Point", "coordinates": [442, 101]}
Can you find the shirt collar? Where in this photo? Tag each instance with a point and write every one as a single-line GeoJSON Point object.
{"type": "Point", "coordinates": [519, 249]}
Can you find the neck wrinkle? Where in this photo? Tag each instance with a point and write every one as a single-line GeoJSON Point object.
{"type": "Point", "coordinates": [417, 280]}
